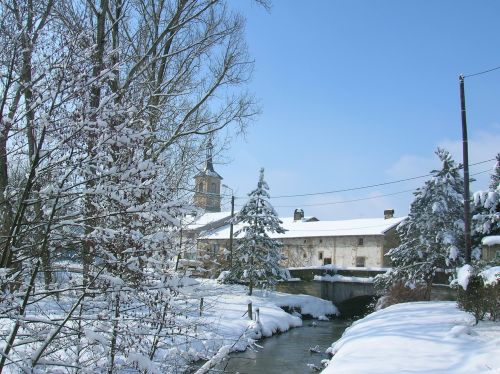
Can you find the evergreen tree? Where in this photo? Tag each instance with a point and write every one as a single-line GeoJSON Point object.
{"type": "Point", "coordinates": [495, 177]}
{"type": "Point", "coordinates": [486, 210]}
{"type": "Point", "coordinates": [257, 256]}
{"type": "Point", "coordinates": [432, 235]}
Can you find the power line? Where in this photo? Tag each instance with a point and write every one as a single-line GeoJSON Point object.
{"type": "Point", "coordinates": [367, 186]}
{"type": "Point", "coordinates": [360, 199]}
{"type": "Point", "coordinates": [344, 201]}
{"type": "Point", "coordinates": [481, 72]}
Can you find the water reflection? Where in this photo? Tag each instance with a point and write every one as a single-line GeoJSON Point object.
{"type": "Point", "coordinates": [287, 353]}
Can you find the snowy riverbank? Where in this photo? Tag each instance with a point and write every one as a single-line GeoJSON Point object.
{"type": "Point", "coordinates": [224, 320]}
{"type": "Point", "coordinates": [425, 337]}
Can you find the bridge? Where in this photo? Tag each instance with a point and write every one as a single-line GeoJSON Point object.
{"type": "Point", "coordinates": [350, 289]}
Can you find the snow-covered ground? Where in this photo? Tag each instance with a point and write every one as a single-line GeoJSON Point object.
{"type": "Point", "coordinates": [423, 337]}
{"type": "Point", "coordinates": [225, 318]}
{"type": "Point", "coordinates": [225, 325]}
{"type": "Point", "coordinates": [222, 325]}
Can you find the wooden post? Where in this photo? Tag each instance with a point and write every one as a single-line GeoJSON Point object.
{"type": "Point", "coordinates": [201, 306]}
{"type": "Point", "coordinates": [231, 234]}
{"type": "Point", "coordinates": [465, 149]}
{"type": "Point", "coordinates": [250, 310]}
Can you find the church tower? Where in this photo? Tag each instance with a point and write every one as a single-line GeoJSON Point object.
{"type": "Point", "coordinates": [207, 185]}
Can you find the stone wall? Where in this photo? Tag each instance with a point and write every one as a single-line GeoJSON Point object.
{"type": "Point", "coordinates": [366, 251]}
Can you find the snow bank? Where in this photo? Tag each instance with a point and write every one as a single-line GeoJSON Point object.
{"type": "Point", "coordinates": [424, 337]}
{"type": "Point", "coordinates": [225, 320]}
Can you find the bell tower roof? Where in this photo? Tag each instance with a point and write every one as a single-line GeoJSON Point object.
{"type": "Point", "coordinates": [209, 165]}
{"type": "Point", "coordinates": [207, 185]}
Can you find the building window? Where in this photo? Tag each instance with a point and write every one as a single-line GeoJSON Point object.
{"type": "Point", "coordinates": [320, 255]}
{"type": "Point", "coordinates": [215, 249]}
{"type": "Point", "coordinates": [213, 188]}
{"type": "Point", "coordinates": [360, 261]}
{"type": "Point", "coordinates": [327, 261]}
{"type": "Point", "coordinates": [360, 241]}
{"type": "Point", "coordinates": [200, 187]}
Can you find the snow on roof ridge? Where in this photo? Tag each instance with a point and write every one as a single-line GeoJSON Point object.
{"type": "Point", "coordinates": [300, 229]}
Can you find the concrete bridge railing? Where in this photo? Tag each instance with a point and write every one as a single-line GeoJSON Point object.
{"type": "Point", "coordinates": [345, 286]}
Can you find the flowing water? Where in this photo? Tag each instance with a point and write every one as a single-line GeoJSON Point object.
{"type": "Point", "coordinates": [289, 352]}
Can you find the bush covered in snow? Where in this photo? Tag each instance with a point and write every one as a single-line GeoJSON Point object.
{"type": "Point", "coordinates": [399, 293]}
{"type": "Point", "coordinates": [478, 284]}
{"type": "Point", "coordinates": [479, 291]}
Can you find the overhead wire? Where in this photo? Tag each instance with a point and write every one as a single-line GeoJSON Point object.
{"type": "Point", "coordinates": [481, 72]}
{"type": "Point", "coordinates": [367, 186]}
{"type": "Point", "coordinates": [360, 199]}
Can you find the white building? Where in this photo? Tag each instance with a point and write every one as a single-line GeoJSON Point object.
{"type": "Point", "coordinates": [309, 242]}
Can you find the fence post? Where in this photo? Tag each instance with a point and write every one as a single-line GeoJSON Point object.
{"type": "Point", "coordinates": [250, 310]}
{"type": "Point", "coordinates": [201, 306]}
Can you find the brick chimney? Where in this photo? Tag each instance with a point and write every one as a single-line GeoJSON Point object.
{"type": "Point", "coordinates": [388, 213]}
{"type": "Point", "coordinates": [298, 214]}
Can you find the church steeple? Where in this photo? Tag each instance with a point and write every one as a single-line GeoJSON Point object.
{"type": "Point", "coordinates": [209, 166]}
{"type": "Point", "coordinates": [207, 184]}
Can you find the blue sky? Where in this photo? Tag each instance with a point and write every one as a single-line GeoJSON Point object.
{"type": "Point", "coordinates": [361, 92]}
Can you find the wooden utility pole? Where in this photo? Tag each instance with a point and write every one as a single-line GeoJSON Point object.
{"type": "Point", "coordinates": [465, 148]}
{"type": "Point", "coordinates": [231, 233]}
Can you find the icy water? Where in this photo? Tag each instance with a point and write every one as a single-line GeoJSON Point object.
{"type": "Point", "coordinates": [289, 352]}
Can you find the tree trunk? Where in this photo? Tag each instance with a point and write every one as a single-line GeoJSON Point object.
{"type": "Point", "coordinates": [95, 98]}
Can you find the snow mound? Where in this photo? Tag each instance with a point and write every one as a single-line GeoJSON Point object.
{"type": "Point", "coordinates": [422, 337]}
{"type": "Point", "coordinates": [457, 331]}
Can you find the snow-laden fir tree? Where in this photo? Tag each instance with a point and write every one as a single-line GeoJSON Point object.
{"type": "Point", "coordinates": [432, 235]}
{"type": "Point", "coordinates": [257, 256]}
{"type": "Point", "coordinates": [486, 211]}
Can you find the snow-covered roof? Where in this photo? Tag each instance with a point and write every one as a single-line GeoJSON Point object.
{"type": "Point", "coordinates": [301, 229]}
{"type": "Point", "coordinates": [304, 219]}
{"type": "Point", "coordinates": [491, 240]}
{"type": "Point", "coordinates": [207, 219]}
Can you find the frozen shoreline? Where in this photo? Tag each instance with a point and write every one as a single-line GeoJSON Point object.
{"type": "Point", "coordinates": [423, 337]}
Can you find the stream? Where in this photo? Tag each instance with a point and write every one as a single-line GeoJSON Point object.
{"type": "Point", "coordinates": [288, 352]}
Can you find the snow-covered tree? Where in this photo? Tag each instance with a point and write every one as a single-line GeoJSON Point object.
{"type": "Point", "coordinates": [432, 235]}
{"type": "Point", "coordinates": [477, 283]}
{"type": "Point", "coordinates": [486, 210]}
{"type": "Point", "coordinates": [257, 257]}
{"type": "Point", "coordinates": [106, 109]}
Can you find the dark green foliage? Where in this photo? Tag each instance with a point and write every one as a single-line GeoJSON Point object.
{"type": "Point", "coordinates": [399, 293]}
{"type": "Point", "coordinates": [257, 255]}
{"type": "Point", "coordinates": [432, 235]}
{"type": "Point", "coordinates": [480, 300]}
